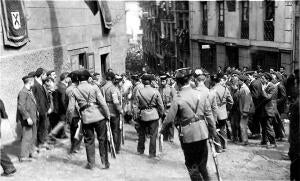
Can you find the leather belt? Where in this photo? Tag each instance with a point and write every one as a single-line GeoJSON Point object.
{"type": "Point", "coordinates": [192, 120]}
{"type": "Point", "coordinates": [87, 106]}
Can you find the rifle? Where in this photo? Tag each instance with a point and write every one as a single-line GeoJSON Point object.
{"type": "Point", "coordinates": [78, 130]}
{"type": "Point", "coordinates": [214, 155]}
{"type": "Point", "coordinates": [122, 129]}
{"type": "Point", "coordinates": [160, 143]}
{"type": "Point", "coordinates": [110, 140]}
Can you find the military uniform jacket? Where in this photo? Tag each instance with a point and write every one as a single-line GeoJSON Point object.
{"type": "Point", "coordinates": [69, 94]}
{"type": "Point", "coordinates": [182, 109]}
{"type": "Point", "coordinates": [167, 93]}
{"type": "Point", "coordinates": [113, 98]}
{"type": "Point", "coordinates": [87, 91]}
{"type": "Point", "coordinates": [147, 93]}
{"type": "Point", "coordinates": [26, 107]}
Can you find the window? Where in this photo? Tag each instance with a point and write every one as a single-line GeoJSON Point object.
{"type": "Point", "coordinates": [83, 61]}
{"type": "Point", "coordinates": [245, 19]}
{"type": "Point", "coordinates": [204, 18]}
{"type": "Point", "coordinates": [269, 20]}
{"type": "Point", "coordinates": [221, 18]}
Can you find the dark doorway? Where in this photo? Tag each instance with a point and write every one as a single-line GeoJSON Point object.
{"type": "Point", "coordinates": [208, 57]}
{"type": "Point", "coordinates": [104, 63]}
{"type": "Point", "coordinates": [266, 60]}
{"type": "Point", "coordinates": [232, 56]}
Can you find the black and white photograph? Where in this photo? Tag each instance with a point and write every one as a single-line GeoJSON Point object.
{"type": "Point", "coordinates": [149, 90]}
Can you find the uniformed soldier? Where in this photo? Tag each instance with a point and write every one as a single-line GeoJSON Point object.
{"type": "Point", "coordinates": [137, 85]}
{"type": "Point", "coordinates": [151, 109]}
{"type": "Point", "coordinates": [91, 102]}
{"type": "Point", "coordinates": [113, 97]}
{"type": "Point", "coordinates": [167, 93]}
{"type": "Point", "coordinates": [75, 120]}
{"type": "Point", "coordinates": [191, 109]}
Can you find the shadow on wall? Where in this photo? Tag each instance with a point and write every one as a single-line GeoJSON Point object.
{"type": "Point", "coordinates": [56, 39]}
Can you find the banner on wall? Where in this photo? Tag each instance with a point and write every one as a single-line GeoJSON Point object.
{"type": "Point", "coordinates": [14, 23]}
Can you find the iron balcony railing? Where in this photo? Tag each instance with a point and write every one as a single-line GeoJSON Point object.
{"type": "Point", "coordinates": [245, 30]}
{"type": "Point", "coordinates": [204, 27]}
{"type": "Point", "coordinates": [269, 30]}
{"type": "Point", "coordinates": [221, 28]}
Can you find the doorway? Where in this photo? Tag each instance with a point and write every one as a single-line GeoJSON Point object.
{"type": "Point", "coordinates": [232, 56]}
{"type": "Point", "coordinates": [104, 60]}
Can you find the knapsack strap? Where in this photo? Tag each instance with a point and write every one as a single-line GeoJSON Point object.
{"type": "Point", "coordinates": [145, 100]}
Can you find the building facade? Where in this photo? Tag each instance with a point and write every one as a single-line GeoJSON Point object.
{"type": "Point", "coordinates": [165, 27]}
{"type": "Point", "coordinates": [242, 34]}
{"type": "Point", "coordinates": [64, 36]}
{"type": "Point", "coordinates": [297, 35]}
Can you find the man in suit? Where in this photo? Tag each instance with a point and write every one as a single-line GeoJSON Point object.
{"type": "Point", "coordinates": [43, 105]}
{"type": "Point", "coordinates": [113, 98]}
{"type": "Point", "coordinates": [6, 163]}
{"type": "Point", "coordinates": [59, 100]}
{"type": "Point", "coordinates": [27, 115]}
{"type": "Point", "coordinates": [245, 104]}
{"type": "Point", "coordinates": [146, 99]}
{"type": "Point", "coordinates": [190, 109]}
{"type": "Point", "coordinates": [268, 110]}
{"type": "Point", "coordinates": [224, 103]}
{"type": "Point", "coordinates": [255, 87]}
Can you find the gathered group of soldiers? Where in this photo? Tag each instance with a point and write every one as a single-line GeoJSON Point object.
{"type": "Point", "coordinates": [202, 106]}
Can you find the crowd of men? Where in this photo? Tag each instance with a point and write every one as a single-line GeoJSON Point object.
{"type": "Point", "coordinates": [202, 106]}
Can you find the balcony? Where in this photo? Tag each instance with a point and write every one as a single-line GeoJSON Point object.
{"type": "Point", "coordinates": [245, 30]}
{"type": "Point", "coordinates": [204, 27]}
{"type": "Point", "coordinates": [221, 28]}
{"type": "Point", "coordinates": [269, 30]}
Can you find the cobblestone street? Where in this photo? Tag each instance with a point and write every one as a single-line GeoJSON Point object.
{"type": "Point", "coordinates": [237, 163]}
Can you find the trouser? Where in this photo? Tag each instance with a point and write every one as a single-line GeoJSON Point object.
{"type": "Point", "coordinates": [152, 126]}
{"type": "Point", "coordinates": [116, 131]}
{"type": "Point", "coordinates": [267, 130]}
{"type": "Point", "coordinates": [42, 128]}
{"type": "Point", "coordinates": [196, 155]}
{"type": "Point", "coordinates": [75, 144]}
{"type": "Point", "coordinates": [255, 123]}
{"type": "Point", "coordinates": [278, 127]}
{"type": "Point", "coordinates": [294, 169]}
{"type": "Point", "coordinates": [235, 126]}
{"type": "Point", "coordinates": [6, 163]}
{"type": "Point", "coordinates": [244, 127]}
{"type": "Point", "coordinates": [169, 133]}
{"type": "Point", "coordinates": [29, 134]}
{"type": "Point", "coordinates": [223, 132]}
{"type": "Point", "coordinates": [89, 140]}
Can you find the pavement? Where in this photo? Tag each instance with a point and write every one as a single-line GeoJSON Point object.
{"type": "Point", "coordinates": [239, 162]}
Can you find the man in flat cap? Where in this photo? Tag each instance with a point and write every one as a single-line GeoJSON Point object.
{"type": "Point", "coordinates": [268, 110]}
{"type": "Point", "coordinates": [167, 93]}
{"type": "Point", "coordinates": [112, 95]}
{"type": "Point", "coordinates": [94, 113]}
{"type": "Point", "coordinates": [194, 119]}
{"type": "Point", "coordinates": [43, 106]}
{"type": "Point", "coordinates": [151, 108]}
{"type": "Point", "coordinates": [245, 106]}
{"type": "Point", "coordinates": [27, 114]}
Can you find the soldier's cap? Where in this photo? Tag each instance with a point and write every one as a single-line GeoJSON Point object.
{"type": "Point", "coordinates": [49, 72]}
{"type": "Point", "coordinates": [27, 77]}
{"type": "Point", "coordinates": [183, 72]}
{"type": "Point", "coordinates": [163, 77]}
{"type": "Point", "coordinates": [110, 75]}
{"type": "Point", "coordinates": [214, 78]}
{"type": "Point", "coordinates": [39, 72]}
{"type": "Point", "coordinates": [149, 77]}
{"type": "Point", "coordinates": [118, 78]}
{"type": "Point", "coordinates": [84, 75]}
{"type": "Point", "coordinates": [243, 78]}
{"type": "Point", "coordinates": [267, 75]}
{"type": "Point", "coordinates": [235, 72]}
{"type": "Point", "coordinates": [74, 76]}
{"type": "Point", "coordinates": [32, 74]}
{"type": "Point", "coordinates": [135, 77]}
{"type": "Point", "coordinates": [250, 72]}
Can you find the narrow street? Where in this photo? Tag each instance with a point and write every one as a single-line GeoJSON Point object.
{"type": "Point", "coordinates": [237, 163]}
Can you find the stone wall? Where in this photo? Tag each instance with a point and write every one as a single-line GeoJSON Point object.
{"type": "Point", "coordinates": [56, 30]}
